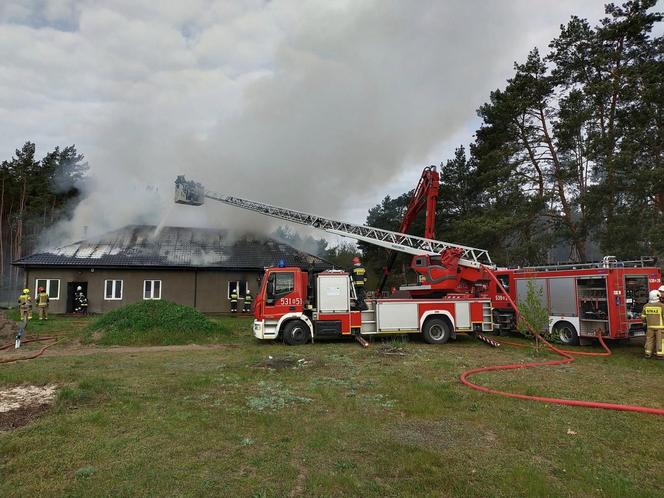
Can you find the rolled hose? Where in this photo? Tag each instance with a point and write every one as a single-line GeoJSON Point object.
{"type": "Point", "coordinates": [568, 357]}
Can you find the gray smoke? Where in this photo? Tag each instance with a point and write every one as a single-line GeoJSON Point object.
{"type": "Point", "coordinates": [318, 106]}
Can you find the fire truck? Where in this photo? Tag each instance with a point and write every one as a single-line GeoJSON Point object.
{"type": "Point", "coordinates": [583, 299]}
{"type": "Point", "coordinates": [458, 288]}
{"type": "Point", "coordinates": [299, 306]}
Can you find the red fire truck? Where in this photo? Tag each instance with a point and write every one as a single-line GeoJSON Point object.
{"type": "Point", "coordinates": [582, 299]}
{"type": "Point", "coordinates": [456, 290]}
{"type": "Point", "coordinates": [300, 306]}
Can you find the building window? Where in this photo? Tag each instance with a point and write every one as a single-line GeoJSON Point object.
{"type": "Point", "coordinates": [152, 289]}
{"type": "Point", "coordinates": [113, 290]}
{"type": "Point", "coordinates": [239, 285]}
{"type": "Point", "coordinates": [52, 287]}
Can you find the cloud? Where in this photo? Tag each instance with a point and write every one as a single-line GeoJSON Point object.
{"type": "Point", "coordinates": [315, 105]}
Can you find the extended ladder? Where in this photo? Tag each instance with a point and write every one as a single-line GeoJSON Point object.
{"type": "Point", "coordinates": [192, 193]}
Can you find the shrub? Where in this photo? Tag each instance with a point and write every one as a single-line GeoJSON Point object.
{"type": "Point", "coordinates": [532, 310]}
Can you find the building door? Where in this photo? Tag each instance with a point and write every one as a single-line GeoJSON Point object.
{"type": "Point", "coordinates": [71, 291]}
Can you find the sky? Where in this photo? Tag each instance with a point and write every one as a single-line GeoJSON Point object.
{"type": "Point", "coordinates": [321, 106]}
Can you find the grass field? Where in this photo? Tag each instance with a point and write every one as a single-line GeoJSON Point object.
{"type": "Point", "coordinates": [328, 419]}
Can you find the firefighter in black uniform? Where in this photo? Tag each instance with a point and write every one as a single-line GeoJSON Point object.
{"type": "Point", "coordinates": [359, 274]}
{"type": "Point", "coordinates": [80, 301]}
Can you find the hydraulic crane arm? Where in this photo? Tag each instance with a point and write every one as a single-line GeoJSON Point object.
{"type": "Point", "coordinates": [187, 192]}
{"type": "Point", "coordinates": [424, 196]}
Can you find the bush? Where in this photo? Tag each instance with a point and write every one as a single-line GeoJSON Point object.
{"type": "Point", "coordinates": [155, 323]}
{"type": "Point", "coordinates": [532, 310]}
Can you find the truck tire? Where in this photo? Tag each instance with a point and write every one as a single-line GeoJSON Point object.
{"type": "Point", "coordinates": [566, 333]}
{"type": "Point", "coordinates": [436, 331]}
{"type": "Point", "coordinates": [296, 333]}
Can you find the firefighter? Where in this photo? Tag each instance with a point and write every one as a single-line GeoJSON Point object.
{"type": "Point", "coordinates": [42, 303]}
{"type": "Point", "coordinates": [653, 317]}
{"type": "Point", "coordinates": [25, 305]}
{"type": "Point", "coordinates": [247, 302]}
{"type": "Point", "coordinates": [80, 301]}
{"type": "Point", "coordinates": [359, 274]}
{"type": "Point", "coordinates": [234, 301]}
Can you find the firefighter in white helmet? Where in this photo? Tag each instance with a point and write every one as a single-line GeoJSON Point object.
{"type": "Point", "coordinates": [246, 308]}
{"type": "Point", "coordinates": [80, 301]}
{"type": "Point", "coordinates": [653, 317]}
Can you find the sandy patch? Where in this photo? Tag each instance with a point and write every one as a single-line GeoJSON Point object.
{"type": "Point", "coordinates": [14, 398]}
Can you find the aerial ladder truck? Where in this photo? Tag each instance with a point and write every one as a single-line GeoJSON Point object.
{"type": "Point", "coordinates": [298, 307]}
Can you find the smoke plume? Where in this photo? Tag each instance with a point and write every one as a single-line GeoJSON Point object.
{"type": "Point", "coordinates": [318, 106]}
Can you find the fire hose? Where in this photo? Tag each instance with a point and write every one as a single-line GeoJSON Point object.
{"type": "Point", "coordinates": [568, 357]}
{"type": "Point", "coordinates": [28, 340]}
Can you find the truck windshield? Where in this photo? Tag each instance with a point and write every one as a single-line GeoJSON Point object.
{"type": "Point", "coordinates": [279, 284]}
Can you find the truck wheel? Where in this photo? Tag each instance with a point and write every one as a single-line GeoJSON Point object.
{"type": "Point", "coordinates": [296, 333]}
{"type": "Point", "coordinates": [566, 333]}
{"type": "Point", "coordinates": [436, 331]}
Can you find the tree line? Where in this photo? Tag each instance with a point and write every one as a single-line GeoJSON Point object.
{"type": "Point", "coordinates": [34, 194]}
{"type": "Point", "coordinates": [568, 161]}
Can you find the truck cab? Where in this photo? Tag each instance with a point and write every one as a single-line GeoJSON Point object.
{"type": "Point", "coordinates": [282, 295]}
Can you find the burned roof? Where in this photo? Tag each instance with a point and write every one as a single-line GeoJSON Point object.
{"type": "Point", "coordinates": [141, 246]}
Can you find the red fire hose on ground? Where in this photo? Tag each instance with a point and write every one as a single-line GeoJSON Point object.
{"type": "Point", "coordinates": [28, 340]}
{"type": "Point", "coordinates": [568, 357]}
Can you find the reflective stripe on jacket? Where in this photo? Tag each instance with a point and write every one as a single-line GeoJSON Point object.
{"type": "Point", "coordinates": [42, 299]}
{"type": "Point", "coordinates": [653, 315]}
{"type": "Point", "coordinates": [359, 275]}
{"type": "Point", "coordinates": [233, 297]}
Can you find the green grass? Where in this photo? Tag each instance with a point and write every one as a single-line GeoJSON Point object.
{"type": "Point", "coordinates": [60, 325]}
{"type": "Point", "coordinates": [343, 422]}
{"type": "Point", "coordinates": [154, 323]}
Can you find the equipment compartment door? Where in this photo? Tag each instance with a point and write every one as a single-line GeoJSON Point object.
{"type": "Point", "coordinates": [562, 294]}
{"type": "Point", "coordinates": [462, 316]}
{"type": "Point", "coordinates": [397, 316]}
{"type": "Point", "coordinates": [333, 293]}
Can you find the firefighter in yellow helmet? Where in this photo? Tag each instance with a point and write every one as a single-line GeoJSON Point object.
{"type": "Point", "coordinates": [234, 301]}
{"type": "Point", "coordinates": [25, 305]}
{"type": "Point", "coordinates": [653, 317]}
{"type": "Point", "coordinates": [359, 275]}
{"type": "Point", "coordinates": [42, 303]}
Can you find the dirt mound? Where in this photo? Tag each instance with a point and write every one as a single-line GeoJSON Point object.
{"type": "Point", "coordinates": [154, 323]}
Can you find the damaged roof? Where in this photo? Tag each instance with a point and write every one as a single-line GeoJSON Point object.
{"type": "Point", "coordinates": [142, 246]}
